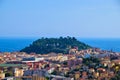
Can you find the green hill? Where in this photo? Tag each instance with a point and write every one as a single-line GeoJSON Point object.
{"type": "Point", "coordinates": [57, 45]}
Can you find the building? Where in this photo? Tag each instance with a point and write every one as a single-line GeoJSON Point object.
{"type": "Point", "coordinates": [2, 75]}
{"type": "Point", "coordinates": [32, 59]}
{"type": "Point", "coordinates": [18, 72]}
{"type": "Point", "coordinates": [35, 77]}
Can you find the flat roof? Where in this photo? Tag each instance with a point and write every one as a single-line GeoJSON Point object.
{"type": "Point", "coordinates": [11, 65]}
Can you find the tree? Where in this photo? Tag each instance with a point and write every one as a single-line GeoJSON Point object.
{"type": "Point", "coordinates": [54, 73]}
{"type": "Point", "coordinates": [57, 45]}
{"type": "Point", "coordinates": [117, 77]}
{"type": "Point", "coordinates": [65, 63]}
{"type": "Point", "coordinates": [8, 74]}
{"type": "Point", "coordinates": [92, 61]}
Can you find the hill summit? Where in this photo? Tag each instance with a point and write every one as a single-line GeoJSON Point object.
{"type": "Point", "coordinates": [57, 45]}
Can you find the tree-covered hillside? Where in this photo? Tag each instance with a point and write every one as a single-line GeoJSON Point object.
{"type": "Point", "coordinates": [57, 45]}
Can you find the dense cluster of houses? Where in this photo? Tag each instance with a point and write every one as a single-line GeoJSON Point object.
{"type": "Point", "coordinates": [77, 65]}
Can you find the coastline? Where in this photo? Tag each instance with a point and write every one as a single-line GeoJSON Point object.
{"type": "Point", "coordinates": [11, 44]}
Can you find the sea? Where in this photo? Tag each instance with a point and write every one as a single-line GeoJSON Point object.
{"type": "Point", "coordinates": [16, 44]}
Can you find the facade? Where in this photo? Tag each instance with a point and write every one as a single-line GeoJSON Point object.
{"type": "Point", "coordinates": [18, 72]}
{"type": "Point", "coordinates": [38, 78]}
{"type": "Point", "coordinates": [2, 75]}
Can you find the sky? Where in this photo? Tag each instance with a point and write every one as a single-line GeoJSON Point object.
{"type": "Point", "coordinates": [54, 18]}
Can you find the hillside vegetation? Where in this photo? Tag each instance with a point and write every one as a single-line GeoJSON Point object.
{"type": "Point", "coordinates": [57, 45]}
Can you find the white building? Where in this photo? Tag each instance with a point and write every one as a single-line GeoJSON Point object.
{"type": "Point", "coordinates": [32, 59]}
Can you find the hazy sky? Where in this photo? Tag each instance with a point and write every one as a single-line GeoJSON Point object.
{"type": "Point", "coordinates": [54, 18]}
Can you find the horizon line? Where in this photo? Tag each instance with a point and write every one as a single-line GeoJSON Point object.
{"type": "Point", "coordinates": [58, 37]}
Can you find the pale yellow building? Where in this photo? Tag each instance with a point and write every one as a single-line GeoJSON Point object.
{"type": "Point", "coordinates": [77, 75]}
{"type": "Point", "coordinates": [2, 75]}
{"type": "Point", "coordinates": [19, 72]}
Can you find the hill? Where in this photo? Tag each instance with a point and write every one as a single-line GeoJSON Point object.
{"type": "Point", "coordinates": [57, 45]}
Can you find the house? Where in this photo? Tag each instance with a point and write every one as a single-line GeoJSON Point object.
{"type": "Point", "coordinates": [35, 77]}
{"type": "Point", "coordinates": [40, 73]}
{"type": "Point", "coordinates": [84, 75]}
{"type": "Point", "coordinates": [96, 74]}
{"type": "Point", "coordinates": [77, 75]}
{"type": "Point", "coordinates": [101, 70]}
{"type": "Point", "coordinates": [18, 72]}
{"type": "Point", "coordinates": [64, 58]}
{"type": "Point", "coordinates": [50, 70]}
{"type": "Point", "coordinates": [106, 63]}
{"type": "Point", "coordinates": [91, 70]}
{"type": "Point", "coordinates": [116, 61]}
{"type": "Point", "coordinates": [2, 75]}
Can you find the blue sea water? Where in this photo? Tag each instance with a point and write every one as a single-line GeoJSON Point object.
{"type": "Point", "coordinates": [16, 44]}
{"type": "Point", "coordinates": [104, 44]}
